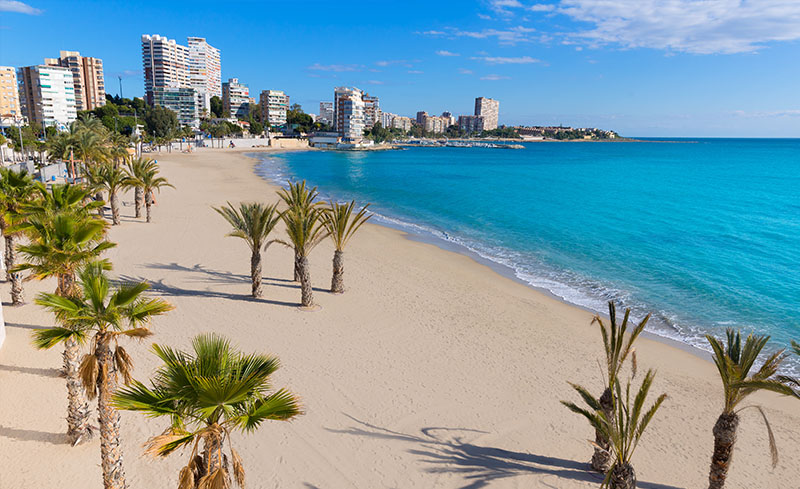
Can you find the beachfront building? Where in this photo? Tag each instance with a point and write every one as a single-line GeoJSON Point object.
{"type": "Point", "coordinates": [434, 124]}
{"type": "Point", "coordinates": [470, 123]}
{"type": "Point", "coordinates": [87, 78]}
{"type": "Point", "coordinates": [235, 98]}
{"type": "Point", "coordinates": [451, 120]}
{"type": "Point", "coordinates": [47, 95]}
{"type": "Point", "coordinates": [274, 105]}
{"type": "Point", "coordinates": [325, 113]}
{"type": "Point", "coordinates": [348, 113]}
{"type": "Point", "coordinates": [421, 115]}
{"type": "Point", "coordinates": [404, 123]}
{"type": "Point", "coordinates": [489, 110]}
{"type": "Point", "coordinates": [387, 118]}
{"type": "Point", "coordinates": [372, 110]}
{"type": "Point", "coordinates": [9, 93]}
{"type": "Point", "coordinates": [181, 100]}
{"type": "Point", "coordinates": [205, 72]}
{"type": "Point", "coordinates": [165, 64]}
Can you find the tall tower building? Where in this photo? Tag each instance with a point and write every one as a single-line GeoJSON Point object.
{"type": "Point", "coordinates": [348, 113]}
{"type": "Point", "coordinates": [274, 105]}
{"type": "Point", "coordinates": [489, 109]}
{"type": "Point", "coordinates": [47, 95]}
{"type": "Point", "coordinates": [87, 78]}
{"type": "Point", "coordinates": [372, 110]}
{"type": "Point", "coordinates": [205, 72]}
{"type": "Point", "coordinates": [9, 93]}
{"type": "Point", "coordinates": [165, 65]}
{"type": "Point", "coordinates": [235, 98]}
{"type": "Point", "coordinates": [326, 113]}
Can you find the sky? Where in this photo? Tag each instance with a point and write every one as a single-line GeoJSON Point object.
{"type": "Point", "coordinates": [671, 68]}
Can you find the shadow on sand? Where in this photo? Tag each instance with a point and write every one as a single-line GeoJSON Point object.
{"type": "Point", "coordinates": [33, 435]}
{"type": "Point", "coordinates": [44, 372]}
{"type": "Point", "coordinates": [444, 451]}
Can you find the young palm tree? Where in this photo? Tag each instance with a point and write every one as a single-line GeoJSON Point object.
{"type": "Point", "coordinates": [106, 316]}
{"type": "Point", "coordinates": [298, 197]}
{"type": "Point", "coordinates": [253, 222]}
{"type": "Point", "coordinates": [59, 198]}
{"type": "Point", "coordinates": [734, 362]}
{"type": "Point", "coordinates": [305, 230]}
{"type": "Point", "coordinates": [60, 244]}
{"type": "Point", "coordinates": [341, 224]}
{"type": "Point", "coordinates": [623, 428]}
{"type": "Point", "coordinates": [16, 190]}
{"type": "Point", "coordinates": [207, 394]}
{"type": "Point", "coordinates": [150, 182]}
{"type": "Point", "coordinates": [136, 168]}
{"type": "Point", "coordinates": [113, 178]}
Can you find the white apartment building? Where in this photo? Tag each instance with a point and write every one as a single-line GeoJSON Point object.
{"type": "Point", "coordinates": [326, 113]}
{"type": "Point", "coordinates": [235, 98]}
{"type": "Point", "coordinates": [205, 71]}
{"type": "Point", "coordinates": [182, 101]}
{"type": "Point", "coordinates": [47, 95]}
{"type": "Point", "coordinates": [348, 113]}
{"type": "Point", "coordinates": [435, 125]}
{"type": "Point", "coordinates": [165, 64]}
{"type": "Point", "coordinates": [372, 110]}
{"type": "Point", "coordinates": [489, 110]}
{"type": "Point", "coordinates": [274, 105]}
{"type": "Point", "coordinates": [9, 93]}
{"type": "Point", "coordinates": [87, 77]}
{"type": "Point", "coordinates": [386, 119]}
{"type": "Point", "coordinates": [403, 123]}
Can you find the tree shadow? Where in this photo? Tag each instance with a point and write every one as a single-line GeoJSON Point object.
{"type": "Point", "coordinates": [25, 326]}
{"type": "Point", "coordinates": [443, 450]}
{"type": "Point", "coordinates": [226, 278]}
{"type": "Point", "coordinates": [44, 372]}
{"type": "Point", "coordinates": [33, 435]}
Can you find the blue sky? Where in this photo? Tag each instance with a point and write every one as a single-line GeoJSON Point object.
{"type": "Point", "coordinates": [641, 67]}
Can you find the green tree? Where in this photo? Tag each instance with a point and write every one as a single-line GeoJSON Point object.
{"type": "Point", "coordinates": [16, 190]}
{"type": "Point", "coordinates": [252, 222]}
{"type": "Point", "coordinates": [150, 182]}
{"type": "Point", "coordinates": [160, 121]}
{"type": "Point", "coordinates": [340, 224]}
{"type": "Point", "coordinates": [106, 316]}
{"type": "Point", "coordinates": [137, 167]}
{"type": "Point", "coordinates": [113, 178]}
{"type": "Point", "coordinates": [299, 197]}
{"type": "Point", "coordinates": [207, 394]}
{"type": "Point", "coordinates": [305, 230]}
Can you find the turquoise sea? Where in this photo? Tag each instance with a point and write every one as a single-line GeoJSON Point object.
{"type": "Point", "coordinates": [704, 233]}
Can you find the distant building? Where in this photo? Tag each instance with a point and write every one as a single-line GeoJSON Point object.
{"type": "Point", "coordinates": [9, 93]}
{"type": "Point", "coordinates": [470, 123]}
{"type": "Point", "coordinates": [451, 120]}
{"type": "Point", "coordinates": [421, 117]}
{"type": "Point", "coordinates": [47, 95]}
{"type": "Point", "coordinates": [87, 78]}
{"type": "Point", "coordinates": [386, 119]}
{"type": "Point", "coordinates": [372, 110]}
{"type": "Point", "coordinates": [205, 71]}
{"type": "Point", "coordinates": [183, 101]}
{"type": "Point", "coordinates": [348, 113]}
{"type": "Point", "coordinates": [489, 109]}
{"type": "Point", "coordinates": [435, 125]}
{"type": "Point", "coordinates": [326, 113]}
{"type": "Point", "coordinates": [403, 123]}
{"type": "Point", "coordinates": [165, 65]}
{"type": "Point", "coordinates": [235, 98]}
{"type": "Point", "coordinates": [274, 105]}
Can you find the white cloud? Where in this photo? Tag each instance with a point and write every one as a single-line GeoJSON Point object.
{"type": "Point", "coordinates": [442, 52]}
{"type": "Point", "coordinates": [502, 6]}
{"type": "Point", "coordinates": [415, 72]}
{"type": "Point", "coordinates": [692, 26]}
{"type": "Point", "coordinates": [485, 17]}
{"type": "Point", "coordinates": [374, 82]}
{"type": "Point", "coordinates": [336, 68]}
{"type": "Point", "coordinates": [495, 60]}
{"type": "Point", "coordinates": [542, 7]}
{"type": "Point", "coordinates": [768, 114]}
{"type": "Point", "coordinates": [465, 71]}
{"type": "Point", "coordinates": [494, 77]}
{"type": "Point", "coordinates": [512, 35]}
{"type": "Point", "coordinates": [18, 7]}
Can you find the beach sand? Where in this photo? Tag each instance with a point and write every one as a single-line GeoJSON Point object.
{"type": "Point", "coordinates": [431, 371]}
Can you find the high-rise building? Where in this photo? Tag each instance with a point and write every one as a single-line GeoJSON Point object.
{"type": "Point", "coordinates": [421, 115]}
{"type": "Point", "coordinates": [274, 105]}
{"type": "Point", "coordinates": [165, 64]}
{"type": "Point", "coordinates": [348, 113]}
{"type": "Point", "coordinates": [489, 109]}
{"type": "Point", "coordinates": [235, 98]}
{"type": "Point", "coordinates": [205, 73]}
{"type": "Point", "coordinates": [47, 95]}
{"type": "Point", "coordinates": [471, 123]}
{"type": "Point", "coordinates": [87, 78]}
{"type": "Point", "coordinates": [326, 113]}
{"type": "Point", "coordinates": [181, 100]}
{"type": "Point", "coordinates": [386, 119]}
{"type": "Point", "coordinates": [372, 110]}
{"type": "Point", "coordinates": [450, 118]}
{"type": "Point", "coordinates": [435, 125]}
{"type": "Point", "coordinates": [9, 93]}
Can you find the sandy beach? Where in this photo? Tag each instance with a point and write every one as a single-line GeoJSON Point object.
{"type": "Point", "coordinates": [432, 371]}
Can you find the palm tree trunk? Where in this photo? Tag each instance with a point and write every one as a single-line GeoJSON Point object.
{"type": "Point", "coordinates": [622, 477]}
{"type": "Point", "coordinates": [6, 254]}
{"type": "Point", "coordinates": [307, 294]}
{"type": "Point", "coordinates": [602, 450]}
{"type": "Point", "coordinates": [337, 281]}
{"type": "Point", "coordinates": [255, 272]}
{"type": "Point", "coordinates": [114, 208]}
{"type": "Point", "coordinates": [213, 459]}
{"type": "Point", "coordinates": [110, 449]}
{"type": "Point", "coordinates": [147, 206]}
{"type": "Point", "coordinates": [78, 428]}
{"type": "Point", "coordinates": [100, 210]}
{"type": "Point", "coordinates": [296, 265]}
{"type": "Point", "coordinates": [724, 439]}
{"type": "Point", "coordinates": [17, 296]}
{"type": "Point", "coordinates": [138, 197]}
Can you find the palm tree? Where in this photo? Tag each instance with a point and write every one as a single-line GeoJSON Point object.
{"type": "Point", "coordinates": [113, 178]}
{"type": "Point", "coordinates": [207, 394]}
{"type": "Point", "coordinates": [106, 316]}
{"type": "Point", "coordinates": [60, 244]}
{"type": "Point", "coordinates": [60, 198]}
{"type": "Point", "coordinates": [793, 382]}
{"type": "Point", "coordinates": [297, 196]}
{"type": "Point", "coordinates": [305, 230]}
{"type": "Point", "coordinates": [16, 190]}
{"type": "Point", "coordinates": [341, 224]}
{"type": "Point", "coordinates": [734, 363]}
{"type": "Point", "coordinates": [150, 181]}
{"type": "Point", "coordinates": [623, 428]}
{"type": "Point", "coordinates": [136, 168]}
{"type": "Point", "coordinates": [253, 222]}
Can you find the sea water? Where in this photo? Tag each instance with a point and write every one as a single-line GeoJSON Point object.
{"type": "Point", "coordinates": [704, 234]}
